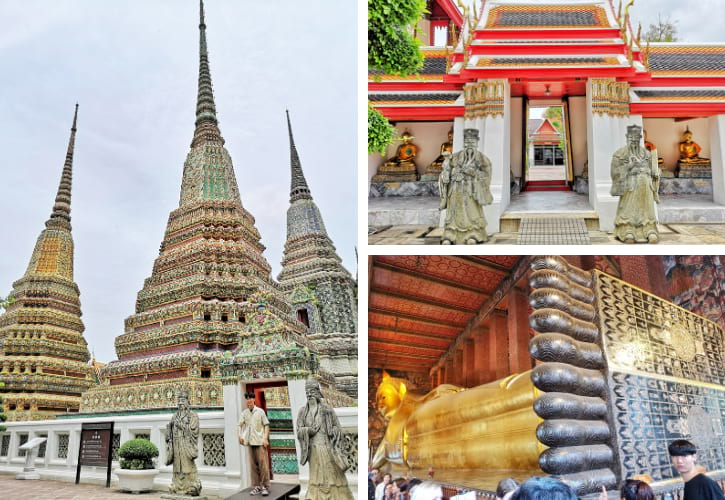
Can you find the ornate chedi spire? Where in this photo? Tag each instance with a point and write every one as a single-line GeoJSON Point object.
{"type": "Point", "coordinates": [299, 189]}
{"type": "Point", "coordinates": [205, 287]}
{"type": "Point", "coordinates": [43, 355]}
{"type": "Point", "coordinates": [313, 275]}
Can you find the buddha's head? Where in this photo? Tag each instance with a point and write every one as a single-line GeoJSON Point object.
{"type": "Point", "coordinates": [406, 137]}
{"type": "Point", "coordinates": [389, 396]}
{"type": "Point", "coordinates": [450, 135]}
{"type": "Point", "coordinates": [687, 135]}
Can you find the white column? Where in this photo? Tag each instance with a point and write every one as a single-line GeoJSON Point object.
{"type": "Point", "coordinates": [495, 143]}
{"type": "Point", "coordinates": [716, 125]}
{"type": "Point", "coordinates": [297, 400]}
{"type": "Point", "coordinates": [602, 142]}
{"type": "Point", "coordinates": [237, 462]}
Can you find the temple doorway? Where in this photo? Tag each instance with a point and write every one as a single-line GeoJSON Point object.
{"type": "Point", "coordinates": [547, 153]}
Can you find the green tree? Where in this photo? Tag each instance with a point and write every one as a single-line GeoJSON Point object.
{"type": "Point", "coordinates": [664, 31]}
{"type": "Point", "coordinates": [380, 131]}
{"type": "Point", "coordinates": [392, 50]}
{"type": "Point", "coordinates": [392, 47]}
{"type": "Point", "coordinates": [555, 114]}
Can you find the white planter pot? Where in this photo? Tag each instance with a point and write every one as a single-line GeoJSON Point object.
{"type": "Point", "coordinates": [136, 481]}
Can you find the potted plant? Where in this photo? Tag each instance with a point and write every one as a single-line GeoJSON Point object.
{"type": "Point", "coordinates": [137, 470]}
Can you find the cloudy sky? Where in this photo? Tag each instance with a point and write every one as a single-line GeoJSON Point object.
{"type": "Point", "coordinates": [133, 67]}
{"type": "Point", "coordinates": [696, 20]}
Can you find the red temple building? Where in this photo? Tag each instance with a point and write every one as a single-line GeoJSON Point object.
{"type": "Point", "coordinates": [492, 65]}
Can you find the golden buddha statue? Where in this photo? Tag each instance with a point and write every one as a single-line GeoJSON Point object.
{"type": "Point", "coordinates": [660, 162]}
{"type": "Point", "coordinates": [497, 420]}
{"type": "Point", "coordinates": [690, 163]}
{"type": "Point", "coordinates": [434, 169]}
{"type": "Point", "coordinates": [400, 167]}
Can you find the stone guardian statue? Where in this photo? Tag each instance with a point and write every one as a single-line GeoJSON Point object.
{"type": "Point", "coordinates": [465, 188]}
{"type": "Point", "coordinates": [635, 179]}
{"type": "Point", "coordinates": [321, 444]}
{"type": "Point", "coordinates": [182, 448]}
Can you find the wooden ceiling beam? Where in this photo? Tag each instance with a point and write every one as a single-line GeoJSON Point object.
{"type": "Point", "coordinates": [430, 278]}
{"type": "Point", "coordinates": [422, 300]}
{"type": "Point", "coordinates": [422, 319]}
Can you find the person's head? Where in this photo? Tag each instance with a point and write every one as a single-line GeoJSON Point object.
{"type": "Point", "coordinates": [312, 390]}
{"type": "Point", "coordinates": [249, 398]}
{"type": "Point", "coordinates": [374, 473]}
{"type": "Point", "coordinates": [544, 488]}
{"type": "Point", "coordinates": [634, 134]}
{"type": "Point", "coordinates": [398, 482]}
{"type": "Point", "coordinates": [635, 489]}
{"type": "Point", "coordinates": [389, 489]}
{"type": "Point", "coordinates": [506, 486]}
{"type": "Point", "coordinates": [427, 490]}
{"type": "Point", "coordinates": [387, 477]}
{"type": "Point", "coordinates": [470, 138]}
{"type": "Point", "coordinates": [684, 455]}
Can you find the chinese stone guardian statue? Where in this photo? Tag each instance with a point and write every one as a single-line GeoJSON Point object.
{"type": "Point", "coordinates": [182, 448]}
{"type": "Point", "coordinates": [464, 189]}
{"type": "Point", "coordinates": [321, 444]}
{"type": "Point", "coordinates": [635, 179]}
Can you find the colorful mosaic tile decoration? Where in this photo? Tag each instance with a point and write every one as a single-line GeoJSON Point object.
{"type": "Point", "coordinates": [43, 355]}
{"type": "Point", "coordinates": [667, 379]}
{"type": "Point", "coordinates": [210, 308]}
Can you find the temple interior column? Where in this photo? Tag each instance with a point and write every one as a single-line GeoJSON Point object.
{"type": "Point", "coordinates": [469, 374]}
{"type": "Point", "coordinates": [480, 355]}
{"type": "Point", "coordinates": [460, 375]}
{"type": "Point", "coordinates": [450, 371]}
{"type": "Point", "coordinates": [518, 331]}
{"type": "Point", "coordinates": [500, 338]}
{"type": "Point", "coordinates": [716, 125]}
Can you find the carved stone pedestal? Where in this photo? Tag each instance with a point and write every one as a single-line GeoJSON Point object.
{"type": "Point", "coordinates": [702, 170]}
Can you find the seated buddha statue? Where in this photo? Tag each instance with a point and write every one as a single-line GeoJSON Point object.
{"type": "Point", "coordinates": [660, 162]}
{"type": "Point", "coordinates": [434, 169]}
{"type": "Point", "coordinates": [690, 163]}
{"type": "Point", "coordinates": [400, 167]}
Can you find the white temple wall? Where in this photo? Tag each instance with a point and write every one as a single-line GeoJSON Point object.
{"type": "Point", "coordinates": [666, 134]}
{"type": "Point", "coordinates": [603, 141]}
{"type": "Point", "coordinates": [495, 132]}
{"type": "Point", "coordinates": [717, 156]}
{"type": "Point", "coordinates": [517, 138]}
{"type": "Point", "coordinates": [222, 480]}
{"type": "Point", "coordinates": [578, 132]}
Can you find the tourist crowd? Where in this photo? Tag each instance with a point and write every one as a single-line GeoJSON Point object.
{"type": "Point", "coordinates": [698, 486]}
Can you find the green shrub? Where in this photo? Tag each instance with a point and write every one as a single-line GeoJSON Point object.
{"type": "Point", "coordinates": [138, 453]}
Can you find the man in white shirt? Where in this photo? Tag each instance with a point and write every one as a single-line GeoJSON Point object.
{"type": "Point", "coordinates": [254, 432]}
{"type": "Point", "coordinates": [380, 488]}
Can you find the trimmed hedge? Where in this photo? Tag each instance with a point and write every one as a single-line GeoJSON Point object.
{"type": "Point", "coordinates": [137, 454]}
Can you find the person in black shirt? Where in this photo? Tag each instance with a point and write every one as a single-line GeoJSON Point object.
{"type": "Point", "coordinates": [697, 485]}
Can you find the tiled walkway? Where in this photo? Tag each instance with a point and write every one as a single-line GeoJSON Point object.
{"type": "Point", "coordinates": [670, 234]}
{"type": "Point", "coordinates": [14, 489]}
{"type": "Point", "coordinates": [554, 231]}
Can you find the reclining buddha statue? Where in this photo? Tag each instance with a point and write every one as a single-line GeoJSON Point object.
{"type": "Point", "coordinates": [484, 427]}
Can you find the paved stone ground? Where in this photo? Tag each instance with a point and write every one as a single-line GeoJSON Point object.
{"type": "Point", "coordinates": [670, 234]}
{"type": "Point", "coordinates": [13, 489]}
